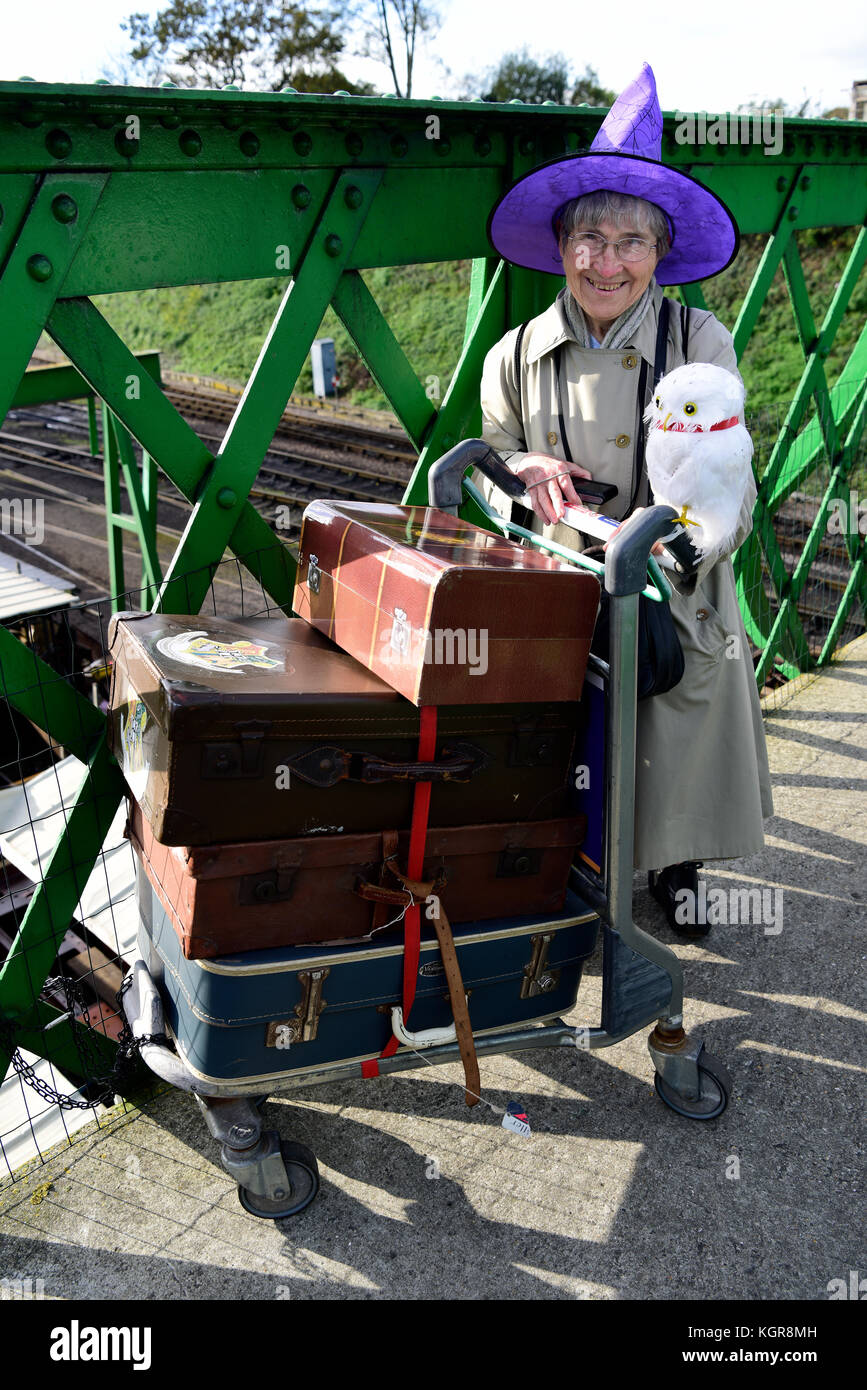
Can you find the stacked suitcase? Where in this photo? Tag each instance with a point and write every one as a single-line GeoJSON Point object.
{"type": "Point", "coordinates": [273, 767]}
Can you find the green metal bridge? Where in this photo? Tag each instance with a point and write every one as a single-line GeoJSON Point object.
{"type": "Point", "coordinates": [122, 189]}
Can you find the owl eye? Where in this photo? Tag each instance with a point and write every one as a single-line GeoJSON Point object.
{"type": "Point", "coordinates": [690, 408]}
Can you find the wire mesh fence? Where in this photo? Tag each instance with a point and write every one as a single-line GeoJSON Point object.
{"type": "Point", "coordinates": [80, 939]}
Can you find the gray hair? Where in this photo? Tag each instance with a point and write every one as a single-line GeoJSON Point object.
{"type": "Point", "coordinates": [619, 208]}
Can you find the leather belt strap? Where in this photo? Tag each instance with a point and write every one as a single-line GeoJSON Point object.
{"type": "Point", "coordinates": [457, 995]}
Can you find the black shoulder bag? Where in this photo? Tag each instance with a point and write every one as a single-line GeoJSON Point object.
{"type": "Point", "coordinates": [660, 656]}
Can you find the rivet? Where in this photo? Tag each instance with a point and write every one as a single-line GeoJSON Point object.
{"type": "Point", "coordinates": [249, 144]}
{"type": "Point", "coordinates": [302, 143]}
{"type": "Point", "coordinates": [482, 145]}
{"type": "Point", "coordinates": [40, 268]}
{"type": "Point", "coordinates": [227, 497]}
{"type": "Point", "coordinates": [170, 120]}
{"type": "Point", "coordinates": [292, 90]}
{"type": "Point", "coordinates": [806, 181]}
{"type": "Point", "coordinates": [526, 145]}
{"type": "Point", "coordinates": [190, 142]}
{"type": "Point", "coordinates": [448, 441]}
{"type": "Point", "coordinates": [443, 146]}
{"type": "Point", "coordinates": [58, 143]}
{"type": "Point", "coordinates": [301, 196]}
{"type": "Point", "coordinates": [103, 120]}
{"type": "Point", "coordinates": [782, 183]}
{"type": "Point", "coordinates": [26, 79]}
{"type": "Point", "coordinates": [399, 146]}
{"type": "Point", "coordinates": [793, 214]}
{"type": "Point", "coordinates": [341, 93]}
{"type": "Point", "coordinates": [230, 120]}
{"type": "Point", "coordinates": [126, 147]}
{"type": "Point", "coordinates": [28, 115]}
{"type": "Point", "coordinates": [353, 197]}
{"type": "Point", "coordinates": [167, 82]}
{"type": "Point", "coordinates": [354, 143]}
{"type": "Point", "coordinates": [65, 209]}
{"type": "Point", "coordinates": [333, 245]}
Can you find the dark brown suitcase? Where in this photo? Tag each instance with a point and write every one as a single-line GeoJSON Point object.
{"type": "Point", "coordinates": [221, 899]}
{"type": "Point", "coordinates": [443, 611]}
{"type": "Point", "coordinates": [264, 730]}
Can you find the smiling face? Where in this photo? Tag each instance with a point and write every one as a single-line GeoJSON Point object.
{"type": "Point", "coordinates": [607, 287]}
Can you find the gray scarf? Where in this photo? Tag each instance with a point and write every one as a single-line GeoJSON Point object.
{"type": "Point", "coordinates": [621, 330]}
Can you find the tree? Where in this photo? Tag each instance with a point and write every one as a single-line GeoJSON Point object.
{"type": "Point", "coordinates": [522, 77]}
{"type": "Point", "coordinates": [216, 42]}
{"type": "Point", "coordinates": [390, 30]}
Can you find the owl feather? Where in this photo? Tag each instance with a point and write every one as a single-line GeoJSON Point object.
{"type": "Point", "coordinates": [699, 453]}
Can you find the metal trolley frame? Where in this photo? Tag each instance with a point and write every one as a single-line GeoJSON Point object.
{"type": "Point", "coordinates": [642, 978]}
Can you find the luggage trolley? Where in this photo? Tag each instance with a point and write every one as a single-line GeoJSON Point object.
{"type": "Point", "coordinates": [642, 978]}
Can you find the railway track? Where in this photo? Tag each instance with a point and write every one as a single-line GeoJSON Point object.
{"type": "Point", "coordinates": [45, 451]}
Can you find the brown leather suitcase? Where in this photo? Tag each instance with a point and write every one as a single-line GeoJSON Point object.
{"type": "Point", "coordinates": [264, 730]}
{"type": "Point", "coordinates": [221, 899]}
{"type": "Point", "coordinates": [443, 611]}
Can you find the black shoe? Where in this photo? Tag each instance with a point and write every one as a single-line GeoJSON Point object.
{"type": "Point", "coordinates": [665, 884]}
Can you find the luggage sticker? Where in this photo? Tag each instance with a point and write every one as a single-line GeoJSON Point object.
{"type": "Point", "coordinates": [198, 649]}
{"type": "Point", "coordinates": [132, 733]}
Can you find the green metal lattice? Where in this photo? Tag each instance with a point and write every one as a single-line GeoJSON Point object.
{"type": "Point", "coordinates": [121, 189]}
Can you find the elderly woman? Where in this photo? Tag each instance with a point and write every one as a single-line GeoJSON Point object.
{"type": "Point", "coordinates": [565, 394]}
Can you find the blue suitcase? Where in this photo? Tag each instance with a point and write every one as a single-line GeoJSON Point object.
{"type": "Point", "coordinates": [252, 1022]}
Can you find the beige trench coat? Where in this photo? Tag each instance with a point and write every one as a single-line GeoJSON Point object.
{"type": "Point", "coordinates": [702, 781]}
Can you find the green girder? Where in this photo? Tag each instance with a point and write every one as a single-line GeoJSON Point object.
{"type": "Point", "coordinates": [218, 186]}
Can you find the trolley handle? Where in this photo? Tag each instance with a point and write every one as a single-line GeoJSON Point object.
{"type": "Point", "coordinates": [446, 475]}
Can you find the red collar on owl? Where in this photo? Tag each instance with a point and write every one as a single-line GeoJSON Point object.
{"type": "Point", "coordinates": [684, 427]}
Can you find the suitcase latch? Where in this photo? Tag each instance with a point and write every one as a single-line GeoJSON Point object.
{"type": "Point", "coordinates": [243, 758]}
{"type": "Point", "coordinates": [519, 863]}
{"type": "Point", "coordinates": [314, 574]}
{"type": "Point", "coordinates": [538, 978]}
{"type": "Point", "coordinates": [274, 886]}
{"type": "Point", "coordinates": [532, 747]}
{"type": "Point", "coordinates": [303, 1027]}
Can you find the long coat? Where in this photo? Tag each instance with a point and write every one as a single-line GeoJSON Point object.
{"type": "Point", "coordinates": [702, 784]}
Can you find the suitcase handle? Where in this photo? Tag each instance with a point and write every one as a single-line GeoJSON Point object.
{"type": "Point", "coordinates": [428, 1037]}
{"type": "Point", "coordinates": [326, 766]}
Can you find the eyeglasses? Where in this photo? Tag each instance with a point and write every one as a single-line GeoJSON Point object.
{"type": "Point", "coordinates": [628, 248]}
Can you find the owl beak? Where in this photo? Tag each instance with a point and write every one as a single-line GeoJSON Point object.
{"type": "Point", "coordinates": [666, 420]}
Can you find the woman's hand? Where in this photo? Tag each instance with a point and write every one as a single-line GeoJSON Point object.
{"type": "Point", "coordinates": [548, 484]}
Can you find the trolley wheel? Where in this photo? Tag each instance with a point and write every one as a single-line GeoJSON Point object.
{"type": "Point", "coordinates": [303, 1173]}
{"type": "Point", "coordinates": [715, 1085]}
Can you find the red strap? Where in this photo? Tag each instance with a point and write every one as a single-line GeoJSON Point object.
{"type": "Point", "coordinates": [685, 427]}
{"type": "Point", "coordinates": [415, 863]}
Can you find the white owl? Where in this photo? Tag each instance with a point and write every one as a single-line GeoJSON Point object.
{"type": "Point", "coordinates": [698, 453]}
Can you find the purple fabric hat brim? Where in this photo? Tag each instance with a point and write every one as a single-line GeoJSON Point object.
{"type": "Point", "coordinates": [705, 234]}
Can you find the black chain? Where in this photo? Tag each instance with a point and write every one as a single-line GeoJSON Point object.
{"type": "Point", "coordinates": [104, 1089]}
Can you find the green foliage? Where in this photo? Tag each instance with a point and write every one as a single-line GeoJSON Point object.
{"type": "Point", "coordinates": [214, 42]}
{"type": "Point", "coordinates": [520, 77]}
{"type": "Point", "coordinates": [218, 330]}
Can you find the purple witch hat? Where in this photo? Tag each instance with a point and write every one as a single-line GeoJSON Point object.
{"type": "Point", "coordinates": [624, 158]}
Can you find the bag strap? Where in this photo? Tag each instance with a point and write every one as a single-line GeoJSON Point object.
{"type": "Point", "coordinates": [684, 331]}
{"type": "Point", "coordinates": [520, 516]}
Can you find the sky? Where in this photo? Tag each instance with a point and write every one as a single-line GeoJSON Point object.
{"type": "Point", "coordinates": [706, 56]}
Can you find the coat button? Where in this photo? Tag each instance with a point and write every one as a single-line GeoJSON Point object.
{"type": "Point", "coordinates": [629, 361]}
{"type": "Point", "coordinates": [622, 440]}
{"type": "Point", "coordinates": [701, 614]}
{"type": "Point", "coordinates": [552, 438]}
